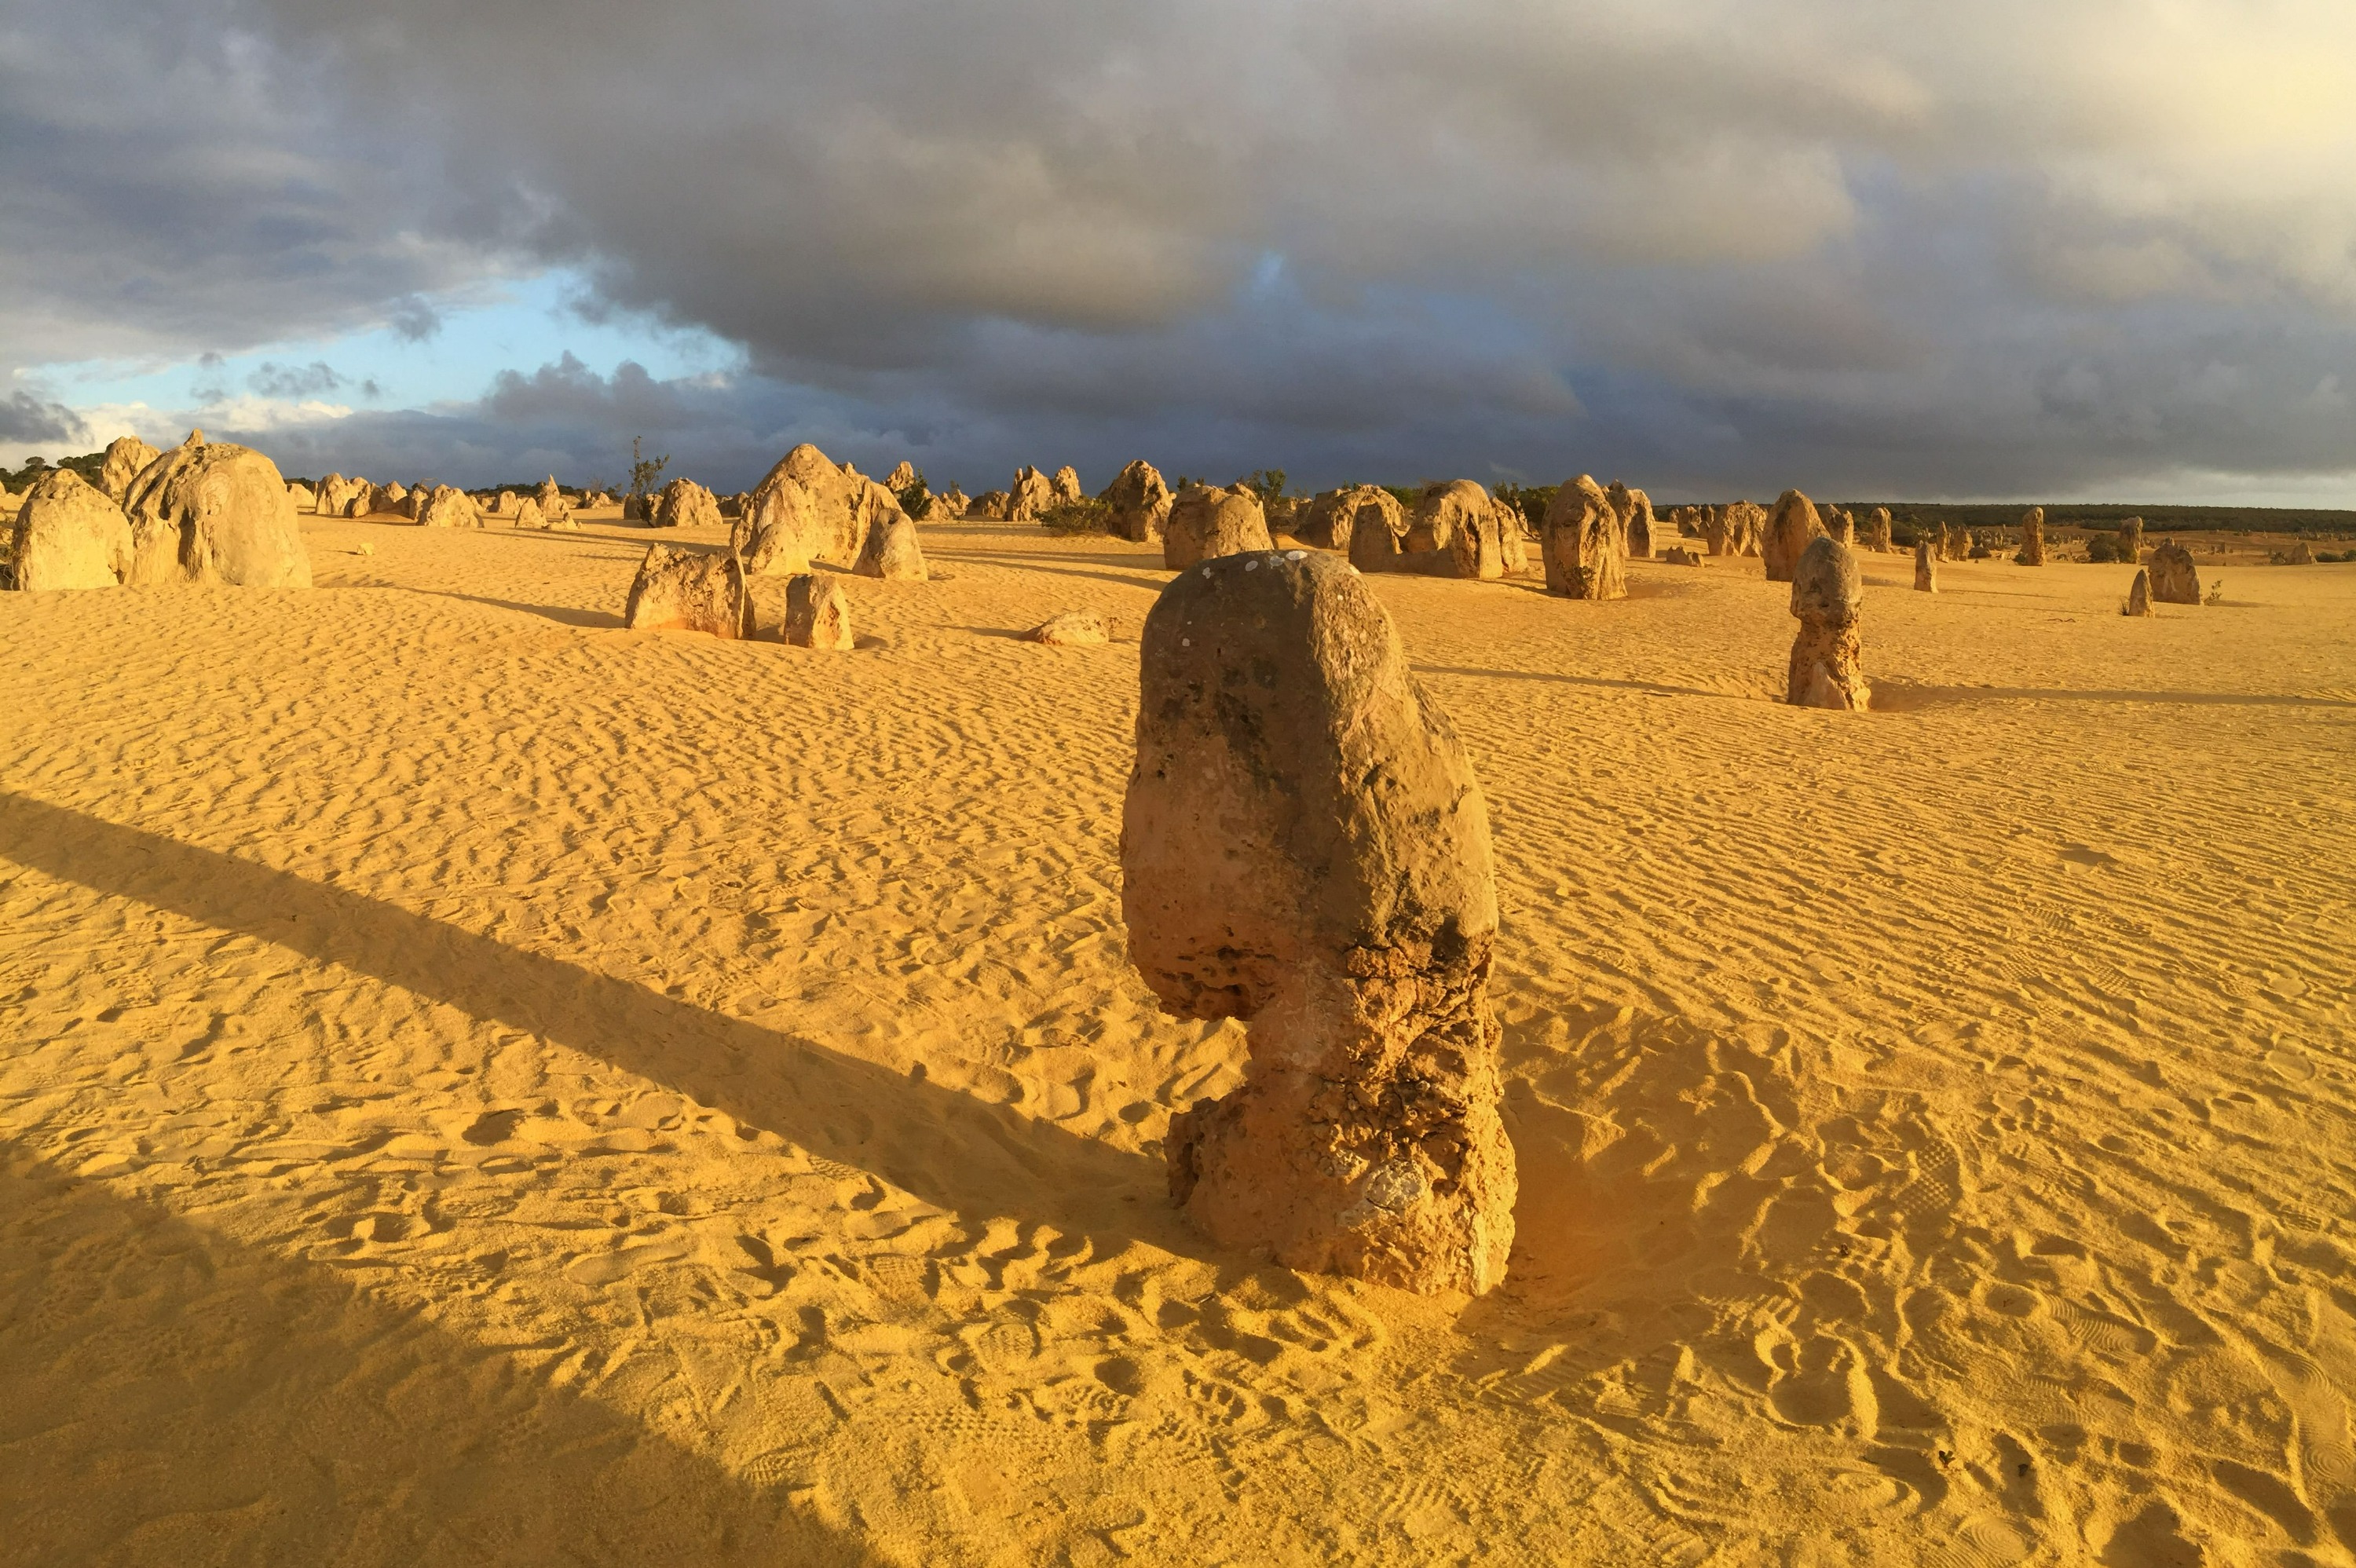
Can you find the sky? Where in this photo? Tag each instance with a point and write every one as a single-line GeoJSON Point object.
{"type": "Point", "coordinates": [1890, 249]}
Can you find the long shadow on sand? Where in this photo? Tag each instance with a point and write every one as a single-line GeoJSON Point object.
{"type": "Point", "coordinates": [1897, 697]}
{"type": "Point", "coordinates": [1661, 687]}
{"type": "Point", "coordinates": [203, 1401]}
{"type": "Point", "coordinates": [944, 1146]}
{"type": "Point", "coordinates": [1139, 578]}
{"type": "Point", "coordinates": [564, 614]}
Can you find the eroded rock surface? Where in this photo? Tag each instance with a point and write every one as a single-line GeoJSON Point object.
{"type": "Point", "coordinates": [688, 591]}
{"type": "Point", "coordinates": [1926, 565]}
{"type": "Point", "coordinates": [1579, 543]}
{"type": "Point", "coordinates": [1310, 853]}
{"type": "Point", "coordinates": [1072, 628]}
{"type": "Point", "coordinates": [445, 507]}
{"type": "Point", "coordinates": [215, 512]}
{"type": "Point", "coordinates": [2032, 537]}
{"type": "Point", "coordinates": [70, 534]}
{"type": "Point", "coordinates": [2139, 594]}
{"type": "Point", "coordinates": [1139, 501]}
{"type": "Point", "coordinates": [127, 457]}
{"type": "Point", "coordinates": [1828, 598]}
{"type": "Point", "coordinates": [817, 613]}
{"type": "Point", "coordinates": [1634, 510]}
{"type": "Point", "coordinates": [2175, 580]}
{"type": "Point", "coordinates": [684, 504]}
{"type": "Point", "coordinates": [1030, 494]}
{"type": "Point", "coordinates": [1789, 529]}
{"type": "Point", "coordinates": [892, 552]}
{"type": "Point", "coordinates": [1207, 521]}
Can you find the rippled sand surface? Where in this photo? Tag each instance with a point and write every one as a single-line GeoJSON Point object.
{"type": "Point", "coordinates": [478, 1085]}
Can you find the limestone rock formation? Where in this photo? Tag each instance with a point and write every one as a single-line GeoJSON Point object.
{"type": "Point", "coordinates": [334, 493]}
{"type": "Point", "coordinates": [1926, 565]}
{"type": "Point", "coordinates": [948, 506]}
{"type": "Point", "coordinates": [1633, 509]}
{"type": "Point", "coordinates": [1716, 531]}
{"type": "Point", "coordinates": [892, 552]}
{"type": "Point", "coordinates": [1372, 525]}
{"type": "Point", "coordinates": [1458, 529]}
{"type": "Point", "coordinates": [2032, 537]}
{"type": "Point", "coordinates": [127, 457]}
{"type": "Point", "coordinates": [637, 508]}
{"type": "Point", "coordinates": [2299, 554]}
{"type": "Point", "coordinates": [1678, 555]}
{"type": "Point", "coordinates": [70, 534]}
{"type": "Point", "coordinates": [1752, 517]}
{"type": "Point", "coordinates": [684, 590]}
{"type": "Point", "coordinates": [391, 499]}
{"type": "Point", "coordinates": [1207, 521]}
{"type": "Point", "coordinates": [817, 613]}
{"type": "Point", "coordinates": [1030, 494]}
{"type": "Point", "coordinates": [804, 509]}
{"type": "Point", "coordinates": [305, 499]}
{"type": "Point", "coordinates": [685, 504]}
{"type": "Point", "coordinates": [1067, 486]}
{"type": "Point", "coordinates": [2139, 594]}
{"type": "Point", "coordinates": [901, 477]}
{"type": "Point", "coordinates": [446, 508]}
{"type": "Point", "coordinates": [1580, 543]}
{"type": "Point", "coordinates": [1139, 502]}
{"type": "Point", "coordinates": [1733, 529]}
{"type": "Point", "coordinates": [550, 496]}
{"type": "Point", "coordinates": [527, 515]}
{"type": "Point", "coordinates": [1876, 529]}
{"type": "Point", "coordinates": [1071, 629]}
{"type": "Point", "coordinates": [2175, 580]}
{"type": "Point", "coordinates": [1454, 532]}
{"type": "Point", "coordinates": [215, 512]}
{"type": "Point", "coordinates": [506, 504]}
{"type": "Point", "coordinates": [2131, 542]}
{"type": "Point", "coordinates": [991, 506]}
{"type": "Point", "coordinates": [1316, 525]}
{"type": "Point", "coordinates": [1843, 527]}
{"type": "Point", "coordinates": [1828, 595]}
{"type": "Point", "coordinates": [1792, 525]}
{"type": "Point", "coordinates": [357, 506]}
{"type": "Point", "coordinates": [1311, 854]}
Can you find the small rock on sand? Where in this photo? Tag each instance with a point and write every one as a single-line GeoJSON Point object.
{"type": "Point", "coordinates": [1071, 629]}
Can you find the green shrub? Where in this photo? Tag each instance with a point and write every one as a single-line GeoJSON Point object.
{"type": "Point", "coordinates": [915, 499]}
{"type": "Point", "coordinates": [1087, 516]}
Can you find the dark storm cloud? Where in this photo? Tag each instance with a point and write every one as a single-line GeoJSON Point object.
{"type": "Point", "coordinates": [176, 180]}
{"type": "Point", "coordinates": [29, 419]}
{"type": "Point", "coordinates": [1712, 244]}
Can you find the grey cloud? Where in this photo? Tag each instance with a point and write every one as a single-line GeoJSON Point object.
{"type": "Point", "coordinates": [176, 180]}
{"type": "Point", "coordinates": [414, 319]}
{"type": "Point", "coordinates": [293, 382]}
{"type": "Point", "coordinates": [26, 419]}
{"type": "Point", "coordinates": [1709, 243]}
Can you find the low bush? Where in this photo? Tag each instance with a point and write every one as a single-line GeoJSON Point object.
{"type": "Point", "coordinates": [1087, 516]}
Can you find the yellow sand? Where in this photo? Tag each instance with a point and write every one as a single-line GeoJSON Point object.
{"type": "Point", "coordinates": [483, 1086]}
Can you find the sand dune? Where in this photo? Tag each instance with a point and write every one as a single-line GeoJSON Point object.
{"type": "Point", "coordinates": [484, 1086]}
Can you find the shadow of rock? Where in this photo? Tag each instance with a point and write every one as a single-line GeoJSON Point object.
{"type": "Point", "coordinates": [942, 1145]}
{"type": "Point", "coordinates": [563, 614]}
{"type": "Point", "coordinates": [1901, 697]}
{"type": "Point", "coordinates": [169, 1397]}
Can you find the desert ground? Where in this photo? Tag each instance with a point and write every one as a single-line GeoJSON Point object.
{"type": "Point", "coordinates": [483, 1085]}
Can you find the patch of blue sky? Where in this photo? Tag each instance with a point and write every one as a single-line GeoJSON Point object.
{"type": "Point", "coordinates": [426, 353]}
